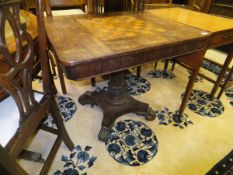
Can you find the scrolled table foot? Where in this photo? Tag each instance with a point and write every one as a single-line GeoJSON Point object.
{"type": "Point", "coordinates": [149, 115]}
{"type": "Point", "coordinates": [31, 156]}
{"type": "Point", "coordinates": [104, 133]}
{"type": "Point", "coordinates": [87, 98]}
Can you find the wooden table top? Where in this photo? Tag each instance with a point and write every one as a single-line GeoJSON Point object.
{"type": "Point", "coordinates": [119, 39]}
{"type": "Point", "coordinates": [202, 21]}
{"type": "Point", "coordinates": [220, 27]}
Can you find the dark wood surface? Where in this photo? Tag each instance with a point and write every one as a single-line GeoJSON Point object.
{"type": "Point", "coordinates": [109, 43]}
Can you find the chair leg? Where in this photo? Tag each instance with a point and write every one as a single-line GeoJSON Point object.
{"type": "Point", "coordinates": [60, 125]}
{"type": "Point", "coordinates": [8, 164]}
{"type": "Point", "coordinates": [188, 90]}
{"type": "Point", "coordinates": [222, 73]}
{"type": "Point", "coordinates": [139, 71]}
{"type": "Point", "coordinates": [61, 78]}
{"type": "Point", "coordinates": [225, 83]}
{"type": "Point", "coordinates": [93, 82]}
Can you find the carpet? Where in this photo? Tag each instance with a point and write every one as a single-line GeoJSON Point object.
{"type": "Point", "coordinates": [224, 167]}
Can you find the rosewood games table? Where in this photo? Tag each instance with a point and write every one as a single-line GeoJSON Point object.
{"type": "Point", "coordinates": [91, 45]}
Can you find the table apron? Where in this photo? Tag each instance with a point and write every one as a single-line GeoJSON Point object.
{"type": "Point", "coordinates": [221, 38]}
{"type": "Point", "coordinates": [120, 62]}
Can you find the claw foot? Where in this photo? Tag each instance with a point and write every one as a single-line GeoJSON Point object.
{"type": "Point", "coordinates": [87, 98]}
{"type": "Point", "coordinates": [104, 133]}
{"type": "Point", "coordinates": [149, 115]}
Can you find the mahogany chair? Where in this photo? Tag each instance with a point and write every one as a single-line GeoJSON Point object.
{"type": "Point", "coordinates": [221, 63]}
{"type": "Point", "coordinates": [24, 110]}
{"type": "Point", "coordinates": [31, 24]}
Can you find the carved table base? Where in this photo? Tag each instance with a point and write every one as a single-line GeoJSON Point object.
{"type": "Point", "coordinates": [114, 103]}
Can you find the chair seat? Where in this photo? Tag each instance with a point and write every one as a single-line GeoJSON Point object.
{"type": "Point", "coordinates": [67, 12]}
{"type": "Point", "coordinates": [217, 56]}
{"type": "Point", "coordinates": [9, 118]}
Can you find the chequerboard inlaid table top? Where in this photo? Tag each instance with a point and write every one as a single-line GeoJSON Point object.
{"type": "Point", "coordinates": [116, 41]}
